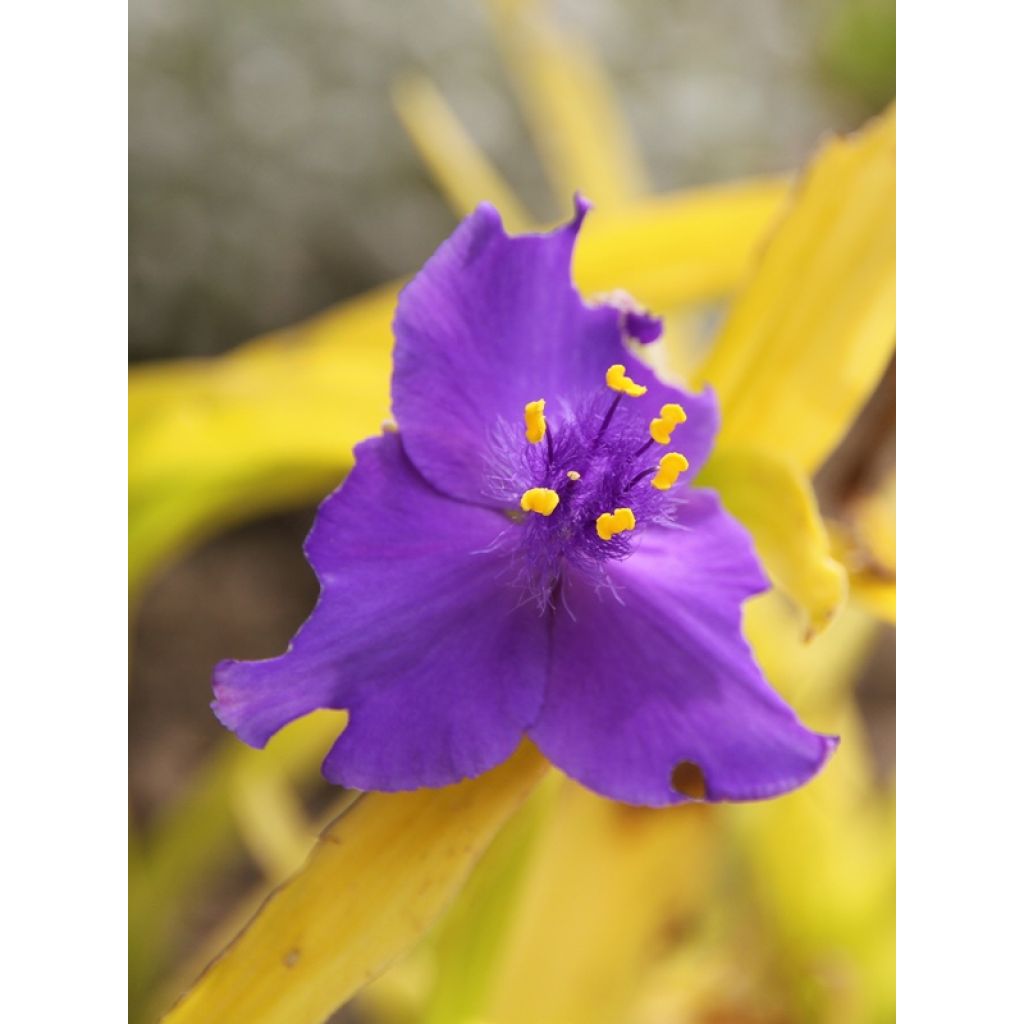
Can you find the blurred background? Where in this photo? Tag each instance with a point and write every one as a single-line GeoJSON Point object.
{"type": "Point", "coordinates": [271, 176]}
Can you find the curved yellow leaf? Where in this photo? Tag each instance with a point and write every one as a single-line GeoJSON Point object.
{"type": "Point", "coordinates": [271, 425]}
{"type": "Point", "coordinates": [376, 880]}
{"type": "Point", "coordinates": [810, 335]}
{"type": "Point", "coordinates": [774, 500]}
{"type": "Point", "coordinates": [459, 168]}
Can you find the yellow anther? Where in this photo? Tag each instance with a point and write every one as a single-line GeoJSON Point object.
{"type": "Point", "coordinates": [611, 523]}
{"type": "Point", "coordinates": [539, 499]}
{"type": "Point", "coordinates": [572, 475]}
{"type": "Point", "coordinates": [669, 468]}
{"type": "Point", "coordinates": [536, 425]}
{"type": "Point", "coordinates": [617, 380]}
{"type": "Point", "coordinates": [661, 427]}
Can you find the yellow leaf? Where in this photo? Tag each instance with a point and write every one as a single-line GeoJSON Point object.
{"type": "Point", "coordinates": [812, 332]}
{"type": "Point", "coordinates": [606, 883]}
{"type": "Point", "coordinates": [875, 592]}
{"type": "Point", "coordinates": [865, 542]}
{"type": "Point", "coordinates": [774, 500]}
{"type": "Point", "coordinates": [267, 426]}
{"type": "Point", "coordinates": [462, 173]}
{"type": "Point", "coordinates": [376, 880]}
{"type": "Point", "coordinates": [197, 836]}
{"type": "Point", "coordinates": [272, 822]}
{"type": "Point", "coordinates": [467, 946]}
{"type": "Point", "coordinates": [570, 107]}
{"type": "Point", "coordinates": [685, 247]}
{"type": "Point", "coordinates": [822, 862]}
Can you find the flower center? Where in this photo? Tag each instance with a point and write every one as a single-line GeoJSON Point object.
{"type": "Point", "coordinates": [588, 482]}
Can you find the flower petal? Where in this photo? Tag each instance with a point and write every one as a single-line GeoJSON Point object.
{"type": "Point", "coordinates": [654, 673]}
{"type": "Point", "coordinates": [493, 322]}
{"type": "Point", "coordinates": [416, 634]}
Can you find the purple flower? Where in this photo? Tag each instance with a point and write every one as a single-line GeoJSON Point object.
{"type": "Point", "coordinates": [526, 556]}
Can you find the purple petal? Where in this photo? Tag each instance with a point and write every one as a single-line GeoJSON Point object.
{"type": "Point", "coordinates": [642, 326]}
{"type": "Point", "coordinates": [657, 673]}
{"type": "Point", "coordinates": [491, 323]}
{"type": "Point", "coordinates": [416, 632]}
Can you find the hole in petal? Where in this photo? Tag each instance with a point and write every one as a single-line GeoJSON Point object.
{"type": "Point", "coordinates": [688, 779]}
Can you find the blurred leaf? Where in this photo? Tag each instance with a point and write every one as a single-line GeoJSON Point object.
{"type": "Point", "coordinates": [470, 941]}
{"type": "Point", "coordinates": [775, 501]}
{"type": "Point", "coordinates": [267, 426]}
{"type": "Point", "coordinates": [681, 248]}
{"type": "Point", "coordinates": [813, 330]}
{"type": "Point", "coordinates": [821, 861]}
{"type": "Point", "coordinates": [860, 50]}
{"type": "Point", "coordinates": [795, 928]}
{"type": "Point", "coordinates": [608, 886]}
{"type": "Point", "coordinates": [376, 880]}
{"type": "Point", "coordinates": [865, 542]}
{"type": "Point", "coordinates": [875, 591]}
{"type": "Point", "coordinates": [462, 173]}
{"type": "Point", "coordinates": [570, 107]}
{"type": "Point", "coordinates": [272, 822]}
{"type": "Point", "coordinates": [272, 424]}
{"type": "Point", "coordinates": [198, 836]}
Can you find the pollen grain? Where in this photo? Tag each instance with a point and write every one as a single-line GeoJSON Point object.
{"type": "Point", "coordinates": [611, 523]}
{"type": "Point", "coordinates": [662, 426]}
{"type": "Point", "coordinates": [536, 425]}
{"type": "Point", "coordinates": [669, 468]}
{"type": "Point", "coordinates": [617, 380]}
{"type": "Point", "coordinates": [539, 499]}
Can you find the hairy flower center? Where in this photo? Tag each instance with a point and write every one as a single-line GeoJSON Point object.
{"type": "Point", "coordinates": [585, 484]}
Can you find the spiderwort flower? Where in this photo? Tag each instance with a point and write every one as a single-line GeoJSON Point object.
{"type": "Point", "coordinates": [526, 555]}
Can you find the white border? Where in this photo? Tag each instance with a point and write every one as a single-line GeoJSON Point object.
{"type": "Point", "coordinates": [64, 325]}
{"type": "Point", "coordinates": [960, 664]}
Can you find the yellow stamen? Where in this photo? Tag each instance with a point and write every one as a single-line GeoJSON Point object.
{"type": "Point", "coordinates": [572, 474]}
{"type": "Point", "coordinates": [536, 425]}
{"type": "Point", "coordinates": [617, 380]}
{"type": "Point", "coordinates": [661, 427]}
{"type": "Point", "coordinates": [611, 523]}
{"type": "Point", "coordinates": [539, 499]}
{"type": "Point", "coordinates": [669, 468]}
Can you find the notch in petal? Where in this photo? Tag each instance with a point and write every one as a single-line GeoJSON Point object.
{"type": "Point", "coordinates": [654, 672]}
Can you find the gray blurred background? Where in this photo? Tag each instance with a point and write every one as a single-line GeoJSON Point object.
{"type": "Point", "coordinates": [269, 176]}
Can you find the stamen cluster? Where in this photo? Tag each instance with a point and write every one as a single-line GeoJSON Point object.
{"type": "Point", "coordinates": [582, 485]}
